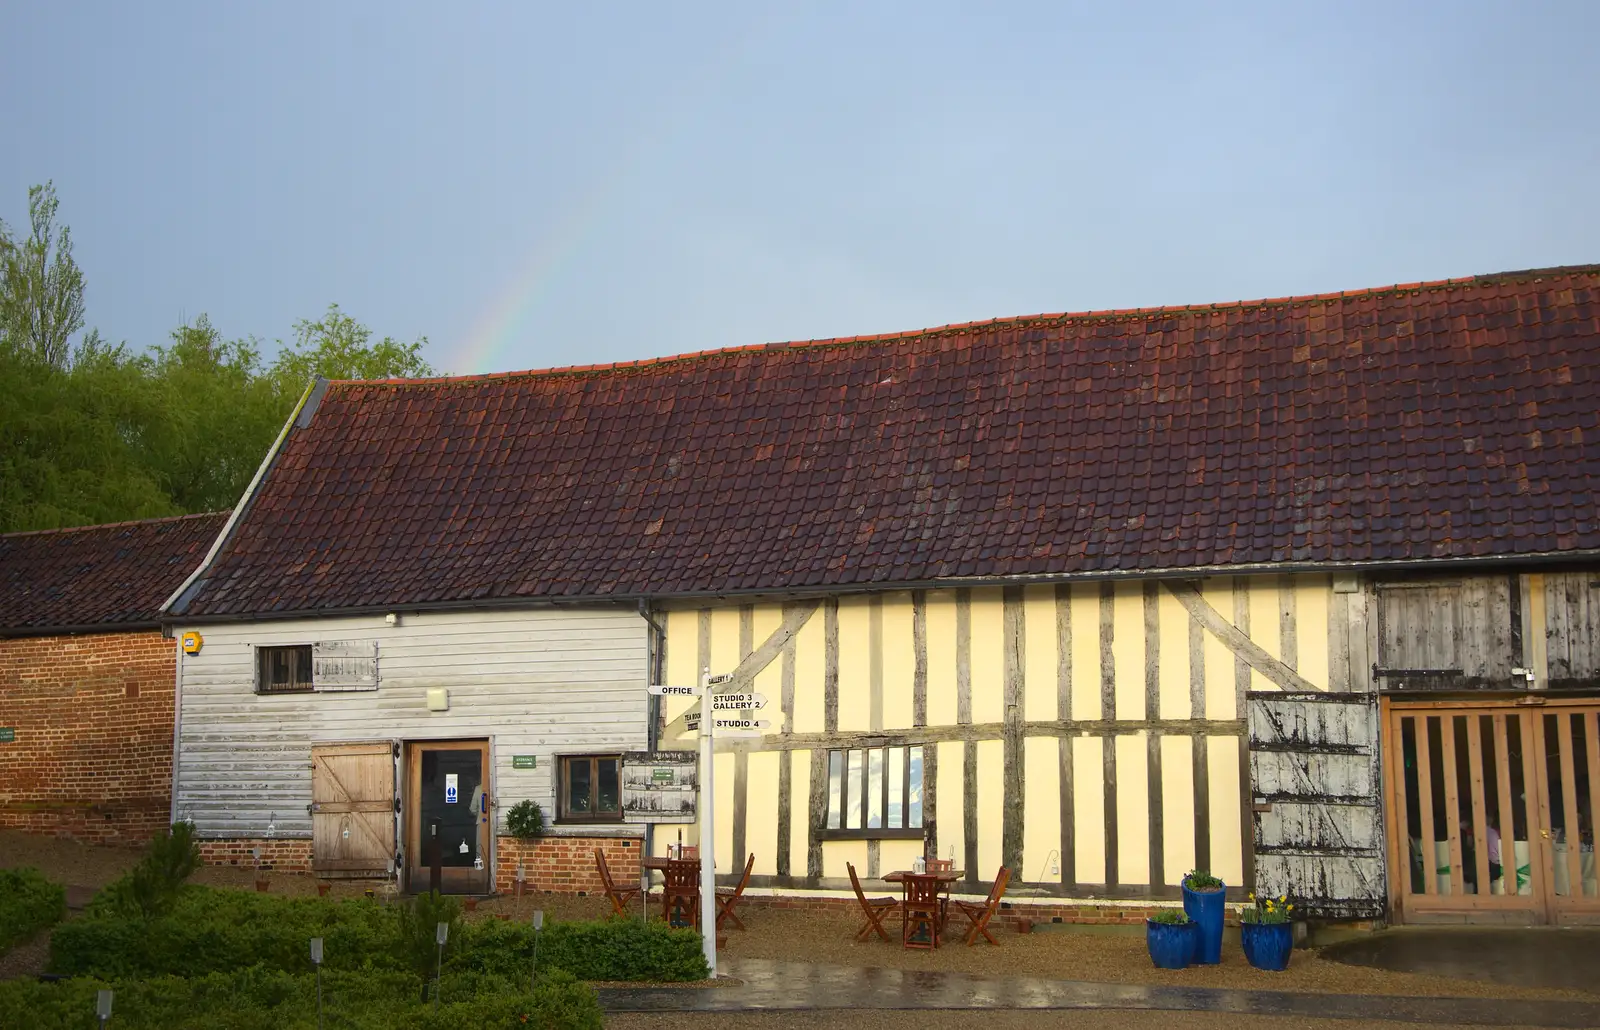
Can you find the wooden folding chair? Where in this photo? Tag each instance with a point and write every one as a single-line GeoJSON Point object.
{"type": "Point", "coordinates": [980, 914]}
{"type": "Point", "coordinates": [942, 865]}
{"type": "Point", "coordinates": [728, 897]}
{"type": "Point", "coordinates": [875, 908]}
{"type": "Point", "coordinates": [680, 893]}
{"type": "Point", "coordinates": [919, 918]}
{"type": "Point", "coordinates": [620, 897]}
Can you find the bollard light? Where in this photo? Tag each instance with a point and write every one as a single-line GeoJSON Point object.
{"type": "Point", "coordinates": [102, 1006]}
{"type": "Point", "coordinates": [538, 919]}
{"type": "Point", "coordinates": [316, 950]}
{"type": "Point", "coordinates": [441, 933]}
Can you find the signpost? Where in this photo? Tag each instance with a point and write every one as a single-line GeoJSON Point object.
{"type": "Point", "coordinates": [725, 715]}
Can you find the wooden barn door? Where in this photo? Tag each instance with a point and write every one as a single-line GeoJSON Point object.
{"type": "Point", "coordinates": [1314, 774]}
{"type": "Point", "coordinates": [353, 809]}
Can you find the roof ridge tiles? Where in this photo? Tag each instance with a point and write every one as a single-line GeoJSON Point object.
{"type": "Point", "coordinates": [116, 525]}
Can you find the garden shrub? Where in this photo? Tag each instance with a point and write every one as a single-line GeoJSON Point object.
{"type": "Point", "coordinates": [28, 904]}
{"type": "Point", "coordinates": [525, 820]}
{"type": "Point", "coordinates": [263, 999]}
{"type": "Point", "coordinates": [152, 887]}
{"type": "Point", "coordinates": [616, 949]}
{"type": "Point", "coordinates": [419, 920]}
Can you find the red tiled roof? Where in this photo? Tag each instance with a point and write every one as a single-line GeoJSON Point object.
{"type": "Point", "coordinates": [1427, 421]}
{"type": "Point", "coordinates": [110, 576]}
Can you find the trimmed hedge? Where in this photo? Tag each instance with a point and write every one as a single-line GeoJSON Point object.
{"type": "Point", "coordinates": [28, 904]}
{"type": "Point", "coordinates": [263, 999]}
{"type": "Point", "coordinates": [222, 931]}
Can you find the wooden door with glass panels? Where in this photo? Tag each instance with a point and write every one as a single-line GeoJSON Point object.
{"type": "Point", "coordinates": [1490, 812]}
{"type": "Point", "coordinates": [449, 816]}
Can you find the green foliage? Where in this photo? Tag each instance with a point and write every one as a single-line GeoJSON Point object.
{"type": "Point", "coordinates": [612, 950]}
{"type": "Point", "coordinates": [101, 433]}
{"type": "Point", "coordinates": [259, 998]}
{"type": "Point", "coordinates": [1200, 880]}
{"type": "Point", "coordinates": [41, 286]}
{"type": "Point", "coordinates": [1170, 917]}
{"type": "Point", "coordinates": [28, 904]}
{"type": "Point", "coordinates": [525, 820]}
{"type": "Point", "coordinates": [152, 887]}
{"type": "Point", "coordinates": [1267, 910]}
{"type": "Point", "coordinates": [418, 926]}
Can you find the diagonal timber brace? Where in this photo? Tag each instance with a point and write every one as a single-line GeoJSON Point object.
{"type": "Point", "coordinates": [744, 674]}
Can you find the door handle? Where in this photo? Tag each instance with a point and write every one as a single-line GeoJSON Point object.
{"type": "Point", "coordinates": [1545, 834]}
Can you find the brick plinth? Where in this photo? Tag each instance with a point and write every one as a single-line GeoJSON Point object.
{"type": "Point", "coordinates": [92, 713]}
{"type": "Point", "coordinates": [565, 865]}
{"type": "Point", "coordinates": [277, 855]}
{"type": "Point", "coordinates": [1008, 915]}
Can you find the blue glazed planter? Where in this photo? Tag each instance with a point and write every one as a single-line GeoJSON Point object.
{"type": "Point", "coordinates": [1205, 908]}
{"type": "Point", "coordinates": [1171, 944]}
{"type": "Point", "coordinates": [1267, 945]}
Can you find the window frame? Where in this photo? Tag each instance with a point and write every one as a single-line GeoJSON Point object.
{"type": "Point", "coordinates": [841, 832]}
{"type": "Point", "coordinates": [563, 779]}
{"type": "Point", "coordinates": [264, 654]}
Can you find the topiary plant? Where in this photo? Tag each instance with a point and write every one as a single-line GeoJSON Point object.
{"type": "Point", "coordinates": [1200, 880]}
{"type": "Point", "coordinates": [525, 820]}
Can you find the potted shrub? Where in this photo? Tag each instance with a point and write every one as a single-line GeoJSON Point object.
{"type": "Point", "coordinates": [1170, 937]}
{"type": "Point", "coordinates": [1203, 895]}
{"type": "Point", "coordinates": [525, 820]}
{"type": "Point", "coordinates": [1265, 933]}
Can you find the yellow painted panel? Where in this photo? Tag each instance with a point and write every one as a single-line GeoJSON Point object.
{"type": "Point", "coordinates": [1089, 808]}
{"type": "Point", "coordinates": [808, 672]}
{"type": "Point", "coordinates": [1177, 807]}
{"type": "Point", "coordinates": [988, 656]}
{"type": "Point", "coordinates": [1128, 649]}
{"type": "Point", "coordinates": [1221, 684]}
{"type": "Point", "coordinates": [1174, 623]}
{"type": "Point", "coordinates": [1222, 760]}
{"type": "Point", "coordinates": [1086, 655]}
{"type": "Point", "coordinates": [683, 643]}
{"type": "Point", "coordinates": [1039, 629]}
{"type": "Point", "coordinates": [1041, 815]}
{"type": "Point", "coordinates": [724, 639]}
{"type": "Point", "coordinates": [991, 804]}
{"type": "Point", "coordinates": [941, 658]}
{"type": "Point", "coordinates": [899, 661]}
{"type": "Point", "coordinates": [761, 813]}
{"type": "Point", "coordinates": [1312, 595]}
{"type": "Point", "coordinates": [855, 670]}
{"type": "Point", "coordinates": [836, 853]}
{"type": "Point", "coordinates": [1133, 808]}
{"type": "Point", "coordinates": [768, 617]}
{"type": "Point", "coordinates": [724, 795]}
{"type": "Point", "coordinates": [897, 855]}
{"type": "Point", "coordinates": [1264, 623]}
{"type": "Point", "coordinates": [799, 809]}
{"type": "Point", "coordinates": [951, 806]}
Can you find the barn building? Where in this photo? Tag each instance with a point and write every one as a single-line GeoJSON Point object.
{"type": "Point", "coordinates": [1296, 590]}
{"type": "Point", "coordinates": [87, 678]}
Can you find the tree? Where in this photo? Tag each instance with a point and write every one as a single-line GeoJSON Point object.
{"type": "Point", "coordinates": [41, 286]}
{"type": "Point", "coordinates": [336, 346]}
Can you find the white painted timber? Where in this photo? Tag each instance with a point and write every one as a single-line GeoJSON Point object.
{"type": "Point", "coordinates": [543, 682]}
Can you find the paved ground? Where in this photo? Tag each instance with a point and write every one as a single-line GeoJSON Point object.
{"type": "Point", "coordinates": [792, 986]}
{"type": "Point", "coordinates": [1106, 1019]}
{"type": "Point", "coordinates": [1542, 957]}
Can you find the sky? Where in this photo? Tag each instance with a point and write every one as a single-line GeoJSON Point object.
{"type": "Point", "coordinates": [537, 185]}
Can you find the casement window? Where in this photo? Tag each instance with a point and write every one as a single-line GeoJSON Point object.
{"type": "Point", "coordinates": [283, 670]}
{"type": "Point", "coordinates": [874, 793]}
{"type": "Point", "coordinates": [326, 666]}
{"type": "Point", "coordinates": [590, 789]}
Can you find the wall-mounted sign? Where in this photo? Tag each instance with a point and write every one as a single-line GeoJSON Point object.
{"type": "Point", "coordinates": [659, 786]}
{"type": "Point", "coordinates": [192, 642]}
{"type": "Point", "coordinates": [524, 761]}
{"type": "Point", "coordinates": [452, 788]}
{"type": "Point", "coordinates": [8, 734]}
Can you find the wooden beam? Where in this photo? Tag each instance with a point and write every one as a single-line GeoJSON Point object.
{"type": "Point", "coordinates": [818, 815]}
{"type": "Point", "coordinates": [786, 760]}
{"type": "Point", "coordinates": [1237, 639]}
{"type": "Point", "coordinates": [795, 616]}
{"type": "Point", "coordinates": [1064, 745]}
{"type": "Point", "coordinates": [1241, 688]}
{"type": "Point", "coordinates": [1152, 711]}
{"type": "Point", "coordinates": [1014, 661]}
{"type": "Point", "coordinates": [830, 664]}
{"type": "Point", "coordinates": [1338, 639]}
{"type": "Point", "coordinates": [919, 652]}
{"type": "Point", "coordinates": [741, 760]}
{"type": "Point", "coordinates": [1200, 746]}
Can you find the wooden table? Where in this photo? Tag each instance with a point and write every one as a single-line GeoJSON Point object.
{"type": "Point", "coordinates": [681, 880]}
{"type": "Point", "coordinates": [939, 882]}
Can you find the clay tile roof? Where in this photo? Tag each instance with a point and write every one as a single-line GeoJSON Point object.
{"type": "Point", "coordinates": [1439, 420]}
{"type": "Point", "coordinates": [113, 577]}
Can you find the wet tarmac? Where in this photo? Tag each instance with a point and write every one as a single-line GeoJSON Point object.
{"type": "Point", "coordinates": [1551, 956]}
{"type": "Point", "coordinates": [794, 986]}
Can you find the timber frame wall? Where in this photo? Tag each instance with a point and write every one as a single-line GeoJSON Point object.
{"type": "Point", "coordinates": [1089, 736]}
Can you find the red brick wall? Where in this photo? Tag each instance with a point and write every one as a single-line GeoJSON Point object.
{"type": "Point", "coordinates": [565, 865]}
{"type": "Point", "coordinates": [93, 719]}
{"type": "Point", "coordinates": [1008, 915]}
{"type": "Point", "coordinates": [277, 854]}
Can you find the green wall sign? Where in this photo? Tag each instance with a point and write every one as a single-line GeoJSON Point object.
{"type": "Point", "coordinates": [524, 761]}
{"type": "Point", "coordinates": [8, 734]}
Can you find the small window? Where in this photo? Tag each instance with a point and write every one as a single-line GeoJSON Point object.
{"type": "Point", "coordinates": [283, 670]}
{"type": "Point", "coordinates": [591, 789]}
{"type": "Point", "coordinates": [875, 792]}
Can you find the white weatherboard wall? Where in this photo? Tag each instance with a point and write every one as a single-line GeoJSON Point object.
{"type": "Point", "coordinates": [542, 682]}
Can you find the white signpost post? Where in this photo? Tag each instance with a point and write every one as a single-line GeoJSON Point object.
{"type": "Point", "coordinates": [725, 716]}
